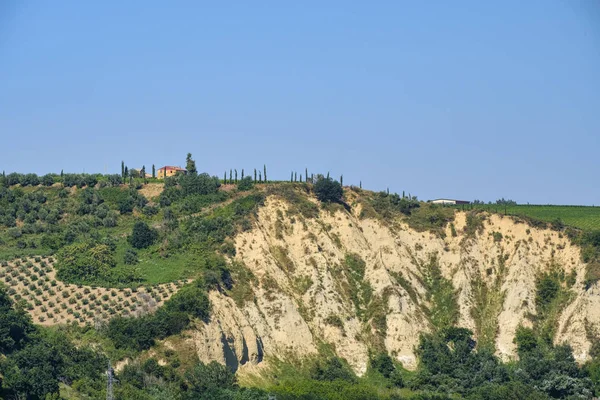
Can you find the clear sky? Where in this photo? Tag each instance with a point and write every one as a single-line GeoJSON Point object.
{"type": "Point", "coordinates": [459, 99]}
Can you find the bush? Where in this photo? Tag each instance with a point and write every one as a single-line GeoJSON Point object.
{"type": "Point", "coordinates": [328, 190]}
{"type": "Point", "coordinates": [383, 364]}
{"type": "Point", "coordinates": [84, 262]}
{"type": "Point", "coordinates": [332, 369]}
{"type": "Point", "coordinates": [142, 235]}
{"type": "Point", "coordinates": [199, 184]}
{"type": "Point", "coordinates": [130, 257]}
{"type": "Point", "coordinates": [245, 184]}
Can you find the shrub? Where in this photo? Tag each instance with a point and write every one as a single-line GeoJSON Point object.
{"type": "Point", "coordinates": [332, 369]}
{"type": "Point", "coordinates": [130, 257]}
{"type": "Point", "coordinates": [334, 320]}
{"type": "Point", "coordinates": [328, 190]}
{"type": "Point", "coordinates": [142, 235]}
{"type": "Point", "coordinates": [245, 184]}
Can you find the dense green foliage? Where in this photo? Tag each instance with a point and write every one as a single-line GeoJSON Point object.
{"type": "Point", "coordinates": [141, 333]}
{"type": "Point", "coordinates": [142, 236]}
{"type": "Point", "coordinates": [387, 204]}
{"type": "Point", "coordinates": [328, 190]}
{"type": "Point", "coordinates": [33, 361]}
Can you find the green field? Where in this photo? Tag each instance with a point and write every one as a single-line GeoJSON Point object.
{"type": "Point", "coordinates": [586, 218]}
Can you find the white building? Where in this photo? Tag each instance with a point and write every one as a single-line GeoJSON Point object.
{"type": "Point", "coordinates": [449, 201]}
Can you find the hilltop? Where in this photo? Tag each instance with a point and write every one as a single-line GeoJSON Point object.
{"type": "Point", "coordinates": [263, 276]}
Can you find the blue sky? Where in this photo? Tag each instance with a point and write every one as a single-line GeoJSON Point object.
{"type": "Point", "coordinates": [465, 99]}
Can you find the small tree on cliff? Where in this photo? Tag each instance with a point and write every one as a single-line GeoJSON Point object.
{"type": "Point", "coordinates": [328, 190]}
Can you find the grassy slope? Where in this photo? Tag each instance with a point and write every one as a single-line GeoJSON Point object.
{"type": "Point", "coordinates": [583, 217]}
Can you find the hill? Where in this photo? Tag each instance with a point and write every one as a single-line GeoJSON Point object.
{"type": "Point", "coordinates": [368, 295]}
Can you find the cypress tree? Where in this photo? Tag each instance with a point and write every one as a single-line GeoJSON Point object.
{"type": "Point", "coordinates": [190, 165]}
{"type": "Point", "coordinates": [328, 175]}
{"type": "Point", "coordinates": [127, 171]}
{"type": "Point", "coordinates": [312, 178]}
{"type": "Point", "coordinates": [254, 175]}
{"type": "Point", "coordinates": [306, 174]}
{"type": "Point", "coordinates": [122, 170]}
{"type": "Point", "coordinates": [265, 174]}
{"type": "Point", "coordinates": [295, 177]}
{"type": "Point", "coordinates": [61, 173]}
{"type": "Point", "coordinates": [388, 190]}
{"type": "Point", "coordinates": [242, 173]}
{"type": "Point", "coordinates": [153, 172]}
{"type": "Point", "coordinates": [300, 177]}
{"type": "Point", "coordinates": [224, 177]}
{"type": "Point", "coordinates": [360, 184]}
{"type": "Point", "coordinates": [230, 176]}
{"type": "Point", "coordinates": [259, 177]}
{"type": "Point", "coordinates": [341, 180]}
{"type": "Point", "coordinates": [236, 176]}
{"type": "Point", "coordinates": [143, 173]}
{"type": "Point", "coordinates": [403, 196]}
{"type": "Point", "coordinates": [292, 176]}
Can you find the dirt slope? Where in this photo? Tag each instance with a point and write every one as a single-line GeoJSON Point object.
{"type": "Point", "coordinates": [302, 294]}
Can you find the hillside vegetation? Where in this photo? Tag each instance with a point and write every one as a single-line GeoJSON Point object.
{"type": "Point", "coordinates": [199, 287]}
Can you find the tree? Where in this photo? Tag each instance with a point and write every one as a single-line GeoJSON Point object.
{"type": "Point", "coordinates": [126, 172]}
{"type": "Point", "coordinates": [230, 176]}
{"type": "Point", "coordinates": [259, 177]}
{"type": "Point", "coordinates": [330, 370]}
{"type": "Point", "coordinates": [142, 235]}
{"type": "Point", "coordinates": [153, 172]}
{"type": "Point", "coordinates": [295, 177]}
{"type": "Point", "coordinates": [265, 172]}
{"type": "Point", "coordinates": [292, 176]}
{"type": "Point", "coordinates": [48, 180]}
{"type": "Point", "coordinates": [236, 176]}
{"type": "Point", "coordinates": [15, 325]}
{"type": "Point", "coordinates": [242, 173]}
{"type": "Point", "coordinates": [342, 180]}
{"type": "Point", "coordinates": [143, 172]}
{"type": "Point", "coordinates": [123, 174]}
{"type": "Point", "coordinates": [254, 174]}
{"type": "Point", "coordinates": [245, 183]}
{"type": "Point", "coordinates": [130, 257]}
{"type": "Point", "coordinates": [190, 164]}
{"type": "Point", "coordinates": [225, 178]}
{"type": "Point", "coordinates": [199, 184]}
{"type": "Point", "coordinates": [306, 174]}
{"type": "Point", "coordinates": [206, 379]}
{"type": "Point", "coordinates": [383, 363]}
{"type": "Point", "coordinates": [328, 190]}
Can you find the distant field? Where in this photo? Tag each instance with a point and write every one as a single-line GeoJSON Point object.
{"type": "Point", "coordinates": [582, 217]}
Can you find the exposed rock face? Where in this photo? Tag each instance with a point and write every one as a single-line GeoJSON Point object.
{"type": "Point", "coordinates": [306, 292]}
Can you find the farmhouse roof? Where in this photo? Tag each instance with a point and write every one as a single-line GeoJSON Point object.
{"type": "Point", "coordinates": [172, 168]}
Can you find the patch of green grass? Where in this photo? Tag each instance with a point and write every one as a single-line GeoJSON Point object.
{"type": "Point", "coordinates": [443, 310]}
{"type": "Point", "coordinates": [553, 294]}
{"type": "Point", "coordinates": [430, 217]}
{"type": "Point", "coordinates": [243, 283]}
{"type": "Point", "coordinates": [302, 283]}
{"type": "Point", "coordinates": [488, 301]}
{"type": "Point", "coordinates": [586, 218]}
